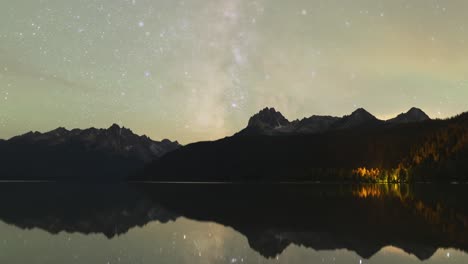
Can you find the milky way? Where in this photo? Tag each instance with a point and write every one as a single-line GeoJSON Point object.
{"type": "Point", "coordinates": [197, 70]}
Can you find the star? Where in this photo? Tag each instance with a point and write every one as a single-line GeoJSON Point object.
{"type": "Point", "coordinates": [206, 56]}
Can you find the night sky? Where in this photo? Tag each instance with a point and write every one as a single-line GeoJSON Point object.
{"type": "Point", "coordinates": [197, 70]}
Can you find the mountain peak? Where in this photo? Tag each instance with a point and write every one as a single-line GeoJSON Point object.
{"type": "Point", "coordinates": [413, 115]}
{"type": "Point", "coordinates": [357, 118]}
{"type": "Point", "coordinates": [268, 118]}
{"type": "Point", "coordinates": [361, 112]}
{"type": "Point", "coordinates": [58, 131]}
{"type": "Point", "coordinates": [360, 115]}
{"type": "Point", "coordinates": [120, 130]}
{"type": "Point", "coordinates": [114, 127]}
{"type": "Point", "coordinates": [417, 111]}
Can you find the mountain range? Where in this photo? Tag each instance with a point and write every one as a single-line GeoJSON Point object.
{"type": "Point", "coordinates": [355, 147]}
{"type": "Point", "coordinates": [271, 122]}
{"type": "Point", "coordinates": [89, 154]}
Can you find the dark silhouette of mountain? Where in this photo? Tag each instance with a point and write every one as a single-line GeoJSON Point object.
{"type": "Point", "coordinates": [358, 118]}
{"type": "Point", "coordinates": [79, 154]}
{"type": "Point", "coordinates": [413, 115]}
{"type": "Point", "coordinates": [358, 147]}
{"type": "Point", "coordinates": [111, 209]}
{"type": "Point", "coordinates": [270, 122]}
{"type": "Point", "coordinates": [315, 124]}
{"type": "Point", "coordinates": [362, 218]}
{"type": "Point", "coordinates": [268, 118]}
{"type": "Point", "coordinates": [267, 122]}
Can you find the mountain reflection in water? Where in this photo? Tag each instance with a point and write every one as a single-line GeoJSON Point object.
{"type": "Point", "coordinates": [210, 223]}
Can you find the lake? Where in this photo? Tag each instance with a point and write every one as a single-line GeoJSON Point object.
{"type": "Point", "coordinates": [233, 223]}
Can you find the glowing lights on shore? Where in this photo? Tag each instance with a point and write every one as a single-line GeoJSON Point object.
{"type": "Point", "coordinates": [377, 175]}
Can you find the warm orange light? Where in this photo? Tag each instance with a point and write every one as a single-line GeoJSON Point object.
{"type": "Point", "coordinates": [372, 173]}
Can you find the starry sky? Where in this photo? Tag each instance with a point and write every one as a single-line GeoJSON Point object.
{"type": "Point", "coordinates": [195, 70]}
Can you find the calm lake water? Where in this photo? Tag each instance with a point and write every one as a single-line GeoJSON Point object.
{"type": "Point", "coordinates": [233, 223]}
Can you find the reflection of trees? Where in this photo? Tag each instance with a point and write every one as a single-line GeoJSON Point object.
{"type": "Point", "coordinates": [438, 214]}
{"type": "Point", "coordinates": [402, 191]}
{"type": "Point", "coordinates": [363, 218]}
{"type": "Point", "coordinates": [450, 221]}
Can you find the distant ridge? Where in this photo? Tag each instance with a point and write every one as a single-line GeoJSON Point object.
{"type": "Point", "coordinates": [357, 118]}
{"type": "Point", "coordinates": [271, 122]}
{"type": "Point", "coordinates": [89, 154]}
{"type": "Point", "coordinates": [413, 115]}
{"type": "Point", "coordinates": [115, 139]}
